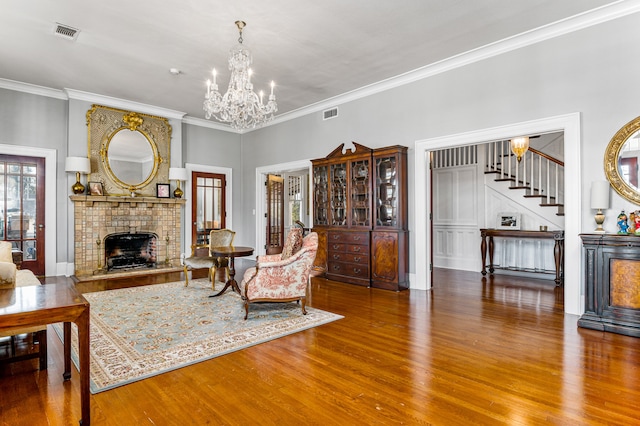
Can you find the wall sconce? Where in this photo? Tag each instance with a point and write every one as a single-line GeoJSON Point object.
{"type": "Point", "coordinates": [600, 201]}
{"type": "Point", "coordinates": [77, 165]}
{"type": "Point", "coordinates": [178, 174]}
{"type": "Point", "coordinates": [519, 146]}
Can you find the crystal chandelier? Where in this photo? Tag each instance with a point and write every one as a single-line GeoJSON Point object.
{"type": "Point", "coordinates": [240, 106]}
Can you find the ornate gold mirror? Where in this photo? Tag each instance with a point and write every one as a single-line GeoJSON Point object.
{"type": "Point", "coordinates": [129, 151]}
{"type": "Point", "coordinates": [621, 160]}
{"type": "Point", "coordinates": [130, 158]}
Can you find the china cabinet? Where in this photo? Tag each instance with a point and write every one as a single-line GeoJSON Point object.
{"type": "Point", "coordinates": [360, 215]}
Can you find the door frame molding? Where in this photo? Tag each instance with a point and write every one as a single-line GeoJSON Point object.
{"type": "Point", "coordinates": [50, 198]}
{"type": "Point", "coordinates": [186, 222]}
{"type": "Point", "coordinates": [261, 200]}
{"type": "Point", "coordinates": [570, 125]}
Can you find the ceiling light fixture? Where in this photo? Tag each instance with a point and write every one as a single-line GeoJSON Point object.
{"type": "Point", "coordinates": [240, 106]}
{"type": "Point", "coordinates": [519, 146]}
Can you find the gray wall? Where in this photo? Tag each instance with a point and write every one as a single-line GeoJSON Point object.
{"type": "Point", "coordinates": [38, 121]}
{"type": "Point", "coordinates": [593, 71]}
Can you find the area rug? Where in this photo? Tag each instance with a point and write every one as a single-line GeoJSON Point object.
{"type": "Point", "coordinates": [141, 332]}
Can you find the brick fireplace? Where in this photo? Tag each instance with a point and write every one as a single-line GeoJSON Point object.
{"type": "Point", "coordinates": [97, 217]}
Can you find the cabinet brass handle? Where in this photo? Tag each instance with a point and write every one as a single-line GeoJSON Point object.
{"type": "Point", "coordinates": [356, 248]}
{"type": "Point", "coordinates": [357, 259]}
{"type": "Point", "coordinates": [336, 257]}
{"type": "Point", "coordinates": [357, 270]}
{"type": "Point", "coordinates": [336, 246]}
{"type": "Point", "coordinates": [356, 238]}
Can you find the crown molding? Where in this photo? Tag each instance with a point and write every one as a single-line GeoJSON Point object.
{"type": "Point", "coordinates": [559, 28]}
{"type": "Point", "coordinates": [210, 124]}
{"type": "Point", "coordinates": [124, 104]}
{"type": "Point", "coordinates": [19, 86]}
{"type": "Point", "coordinates": [596, 16]}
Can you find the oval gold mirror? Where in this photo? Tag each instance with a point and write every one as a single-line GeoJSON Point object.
{"type": "Point", "coordinates": [621, 160]}
{"type": "Point", "coordinates": [130, 158]}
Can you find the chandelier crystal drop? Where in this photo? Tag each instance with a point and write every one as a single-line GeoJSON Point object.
{"type": "Point", "coordinates": [240, 106]}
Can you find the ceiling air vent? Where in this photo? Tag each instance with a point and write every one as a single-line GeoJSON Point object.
{"type": "Point", "coordinates": [66, 31]}
{"type": "Point", "coordinates": [330, 113]}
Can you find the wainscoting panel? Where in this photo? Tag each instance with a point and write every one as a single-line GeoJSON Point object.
{"type": "Point", "coordinates": [456, 238]}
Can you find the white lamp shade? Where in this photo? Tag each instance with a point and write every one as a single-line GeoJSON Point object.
{"type": "Point", "coordinates": [178, 173]}
{"type": "Point", "coordinates": [600, 194]}
{"type": "Point", "coordinates": [77, 164]}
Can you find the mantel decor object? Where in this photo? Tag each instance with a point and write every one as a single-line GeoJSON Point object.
{"type": "Point", "coordinates": [77, 165]}
{"type": "Point", "coordinates": [599, 202]}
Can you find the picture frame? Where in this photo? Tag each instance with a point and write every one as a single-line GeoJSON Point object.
{"type": "Point", "coordinates": [508, 220]}
{"type": "Point", "coordinates": [96, 188]}
{"type": "Point", "coordinates": [163, 190]}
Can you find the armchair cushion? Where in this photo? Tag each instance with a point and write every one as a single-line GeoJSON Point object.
{"type": "Point", "coordinates": [7, 267]}
{"type": "Point", "coordinates": [293, 243]}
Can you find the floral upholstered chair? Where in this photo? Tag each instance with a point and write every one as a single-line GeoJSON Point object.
{"type": "Point", "coordinates": [217, 238]}
{"type": "Point", "coordinates": [281, 277]}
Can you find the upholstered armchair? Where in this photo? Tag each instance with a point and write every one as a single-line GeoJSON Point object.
{"type": "Point", "coordinates": [217, 238]}
{"type": "Point", "coordinates": [281, 277]}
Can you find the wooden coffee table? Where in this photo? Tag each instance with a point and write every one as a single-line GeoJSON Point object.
{"type": "Point", "coordinates": [231, 252]}
{"type": "Point", "coordinates": [48, 304]}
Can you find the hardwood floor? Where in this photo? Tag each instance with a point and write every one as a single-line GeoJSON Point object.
{"type": "Point", "coordinates": [469, 352]}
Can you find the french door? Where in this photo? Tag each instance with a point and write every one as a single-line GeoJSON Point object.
{"type": "Point", "coordinates": [275, 214]}
{"type": "Point", "coordinates": [22, 187]}
{"type": "Point", "coordinates": [208, 209]}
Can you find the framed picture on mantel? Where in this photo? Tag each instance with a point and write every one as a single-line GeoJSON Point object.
{"type": "Point", "coordinates": [508, 220]}
{"type": "Point", "coordinates": [163, 190]}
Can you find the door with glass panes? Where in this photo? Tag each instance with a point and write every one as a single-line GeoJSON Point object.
{"type": "Point", "coordinates": [22, 204]}
{"type": "Point", "coordinates": [208, 210]}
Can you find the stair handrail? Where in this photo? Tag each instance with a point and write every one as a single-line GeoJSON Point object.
{"type": "Point", "coordinates": [547, 156]}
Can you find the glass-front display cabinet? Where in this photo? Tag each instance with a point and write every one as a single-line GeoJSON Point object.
{"type": "Point", "coordinates": [360, 215]}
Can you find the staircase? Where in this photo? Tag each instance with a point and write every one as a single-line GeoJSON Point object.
{"type": "Point", "coordinates": [538, 174]}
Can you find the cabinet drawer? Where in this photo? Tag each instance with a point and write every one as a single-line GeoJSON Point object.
{"type": "Point", "coordinates": [337, 247]}
{"type": "Point", "coordinates": [349, 257]}
{"type": "Point", "coordinates": [349, 269]}
{"type": "Point", "coordinates": [349, 237]}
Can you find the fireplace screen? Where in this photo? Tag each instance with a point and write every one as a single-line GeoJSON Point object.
{"type": "Point", "coordinates": [129, 251]}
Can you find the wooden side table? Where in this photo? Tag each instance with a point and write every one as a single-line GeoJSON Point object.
{"type": "Point", "coordinates": [48, 304]}
{"type": "Point", "coordinates": [231, 252]}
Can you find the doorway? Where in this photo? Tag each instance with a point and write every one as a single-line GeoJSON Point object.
{"type": "Point", "coordinates": [296, 200]}
{"type": "Point", "coordinates": [22, 194]}
{"type": "Point", "coordinates": [570, 125]}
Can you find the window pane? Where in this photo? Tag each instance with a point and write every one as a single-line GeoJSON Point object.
{"type": "Point", "coordinates": [13, 168]}
{"type": "Point", "coordinates": [29, 169]}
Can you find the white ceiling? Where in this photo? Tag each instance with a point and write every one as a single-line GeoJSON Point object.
{"type": "Point", "coordinates": [312, 50]}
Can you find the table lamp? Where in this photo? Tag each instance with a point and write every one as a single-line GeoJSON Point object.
{"type": "Point", "coordinates": [599, 201]}
{"type": "Point", "coordinates": [178, 174]}
{"type": "Point", "coordinates": [77, 165]}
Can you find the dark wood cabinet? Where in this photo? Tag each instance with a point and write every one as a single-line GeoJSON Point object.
{"type": "Point", "coordinates": [360, 209]}
{"type": "Point", "coordinates": [612, 287]}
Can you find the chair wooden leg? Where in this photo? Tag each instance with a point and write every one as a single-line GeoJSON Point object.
{"type": "Point", "coordinates": [303, 302]}
{"type": "Point", "coordinates": [186, 276]}
{"type": "Point", "coordinates": [246, 309]}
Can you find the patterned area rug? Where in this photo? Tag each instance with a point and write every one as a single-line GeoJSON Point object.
{"type": "Point", "coordinates": [140, 332]}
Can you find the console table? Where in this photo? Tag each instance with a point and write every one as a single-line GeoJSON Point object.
{"type": "Point", "coordinates": [558, 247]}
{"type": "Point", "coordinates": [612, 288]}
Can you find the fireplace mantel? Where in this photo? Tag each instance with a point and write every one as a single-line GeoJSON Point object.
{"type": "Point", "coordinates": [96, 216]}
{"type": "Point", "coordinates": [117, 200]}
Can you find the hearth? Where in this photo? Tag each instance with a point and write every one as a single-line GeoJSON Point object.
{"type": "Point", "coordinates": [130, 250]}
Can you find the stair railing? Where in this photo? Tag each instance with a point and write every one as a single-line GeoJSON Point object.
{"type": "Point", "coordinates": [540, 174]}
